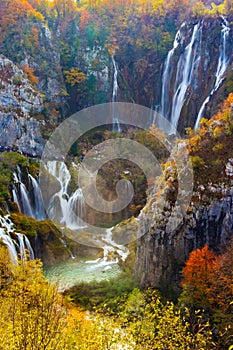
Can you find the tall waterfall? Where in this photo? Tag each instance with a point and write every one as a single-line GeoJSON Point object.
{"type": "Point", "coordinates": [115, 117]}
{"type": "Point", "coordinates": [166, 83]}
{"type": "Point", "coordinates": [182, 71]}
{"type": "Point", "coordinates": [30, 204]}
{"type": "Point", "coordinates": [38, 208]}
{"type": "Point", "coordinates": [69, 208]}
{"type": "Point", "coordinates": [223, 63]}
{"type": "Point", "coordinates": [20, 246]}
{"type": "Point", "coordinates": [187, 65]}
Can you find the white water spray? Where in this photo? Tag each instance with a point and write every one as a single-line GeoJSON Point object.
{"type": "Point", "coordinates": [187, 65]}
{"type": "Point", "coordinates": [223, 63]}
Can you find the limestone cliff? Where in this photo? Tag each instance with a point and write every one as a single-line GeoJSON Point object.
{"type": "Point", "coordinates": [161, 255]}
{"type": "Point", "coordinates": [18, 98]}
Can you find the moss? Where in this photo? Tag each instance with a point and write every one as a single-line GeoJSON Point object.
{"type": "Point", "coordinates": [12, 159]}
{"type": "Point", "coordinates": [34, 168]}
{"type": "Point", "coordinates": [31, 227]}
{"type": "Point", "coordinates": [24, 224]}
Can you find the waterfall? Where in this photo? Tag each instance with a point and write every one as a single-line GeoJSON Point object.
{"type": "Point", "coordinates": [223, 58]}
{"type": "Point", "coordinates": [166, 81]}
{"type": "Point", "coordinates": [121, 250]}
{"type": "Point", "coordinates": [77, 205]}
{"type": "Point", "coordinates": [112, 252]}
{"type": "Point", "coordinates": [187, 65]}
{"type": "Point", "coordinates": [115, 117]}
{"type": "Point", "coordinates": [23, 246]}
{"type": "Point", "coordinates": [69, 208]}
{"type": "Point", "coordinates": [30, 205]}
{"type": "Point", "coordinates": [16, 197]}
{"type": "Point", "coordinates": [7, 240]}
{"type": "Point", "coordinates": [26, 206]}
{"type": "Point", "coordinates": [38, 212]}
{"type": "Point", "coordinates": [223, 63]}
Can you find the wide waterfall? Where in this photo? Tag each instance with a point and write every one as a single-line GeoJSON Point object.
{"type": "Point", "coordinates": [17, 245]}
{"type": "Point", "coordinates": [115, 117]}
{"type": "Point", "coordinates": [29, 201]}
{"type": "Point", "coordinates": [70, 208]}
{"type": "Point", "coordinates": [223, 63]}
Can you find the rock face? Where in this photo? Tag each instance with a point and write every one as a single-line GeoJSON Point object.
{"type": "Point", "coordinates": [161, 255]}
{"type": "Point", "coordinates": [18, 99]}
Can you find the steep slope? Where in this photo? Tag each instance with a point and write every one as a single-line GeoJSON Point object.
{"type": "Point", "coordinates": [18, 98]}
{"type": "Point", "coordinates": [209, 219]}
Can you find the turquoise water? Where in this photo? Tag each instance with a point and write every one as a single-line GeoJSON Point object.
{"type": "Point", "coordinates": [67, 274]}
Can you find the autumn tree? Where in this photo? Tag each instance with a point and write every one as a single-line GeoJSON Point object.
{"type": "Point", "coordinates": [75, 76]}
{"type": "Point", "coordinates": [196, 277]}
{"type": "Point", "coordinates": [12, 14]}
{"type": "Point", "coordinates": [30, 74]}
{"type": "Point", "coordinates": [32, 315]}
{"type": "Point", "coordinates": [221, 291]}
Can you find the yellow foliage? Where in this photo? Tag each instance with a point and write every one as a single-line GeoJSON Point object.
{"type": "Point", "coordinates": [36, 15]}
{"type": "Point", "coordinates": [75, 76]}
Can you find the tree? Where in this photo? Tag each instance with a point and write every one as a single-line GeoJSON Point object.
{"type": "Point", "coordinates": [32, 314]}
{"type": "Point", "coordinates": [75, 76]}
{"type": "Point", "coordinates": [30, 74]}
{"type": "Point", "coordinates": [196, 277]}
{"type": "Point", "coordinates": [221, 277]}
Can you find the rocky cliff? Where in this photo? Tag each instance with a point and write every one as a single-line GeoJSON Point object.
{"type": "Point", "coordinates": [18, 99]}
{"type": "Point", "coordinates": [170, 228]}
{"type": "Point", "coordinates": [161, 255]}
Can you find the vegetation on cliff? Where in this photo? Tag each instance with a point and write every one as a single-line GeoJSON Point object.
{"type": "Point", "coordinates": [65, 49]}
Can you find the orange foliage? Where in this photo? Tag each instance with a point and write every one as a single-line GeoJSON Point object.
{"type": "Point", "coordinates": [35, 35]}
{"type": "Point", "coordinates": [12, 12]}
{"type": "Point", "coordinates": [30, 74]}
{"type": "Point", "coordinates": [197, 273]}
{"type": "Point", "coordinates": [221, 291]}
{"type": "Point", "coordinates": [84, 20]}
{"type": "Point", "coordinates": [208, 279]}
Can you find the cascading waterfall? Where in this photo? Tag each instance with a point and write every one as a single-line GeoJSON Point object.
{"type": "Point", "coordinates": [7, 240]}
{"type": "Point", "coordinates": [115, 117]}
{"type": "Point", "coordinates": [184, 70]}
{"type": "Point", "coordinates": [26, 206]}
{"type": "Point", "coordinates": [38, 208]}
{"type": "Point", "coordinates": [112, 251]}
{"type": "Point", "coordinates": [70, 208]}
{"type": "Point", "coordinates": [23, 246]}
{"type": "Point", "coordinates": [30, 205]}
{"type": "Point", "coordinates": [223, 63]}
{"type": "Point", "coordinates": [20, 194]}
{"type": "Point", "coordinates": [77, 204]}
{"type": "Point", "coordinates": [187, 65]}
{"type": "Point", "coordinates": [166, 83]}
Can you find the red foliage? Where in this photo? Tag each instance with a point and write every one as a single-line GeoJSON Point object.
{"type": "Point", "coordinates": [197, 272]}
{"type": "Point", "coordinates": [84, 20]}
